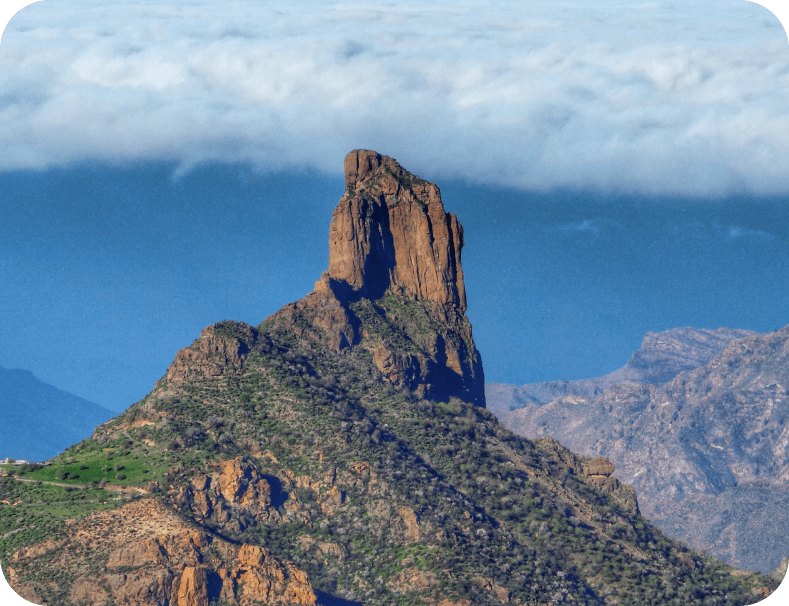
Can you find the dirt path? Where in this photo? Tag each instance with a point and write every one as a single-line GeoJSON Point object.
{"type": "Point", "coordinates": [71, 485]}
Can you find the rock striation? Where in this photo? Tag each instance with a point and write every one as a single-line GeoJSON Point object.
{"type": "Point", "coordinates": [390, 232]}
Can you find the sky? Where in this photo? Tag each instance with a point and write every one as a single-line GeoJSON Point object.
{"type": "Point", "coordinates": [618, 167]}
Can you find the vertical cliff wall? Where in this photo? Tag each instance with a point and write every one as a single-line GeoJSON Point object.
{"type": "Point", "coordinates": [390, 230]}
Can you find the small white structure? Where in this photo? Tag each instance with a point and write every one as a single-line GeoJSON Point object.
{"type": "Point", "coordinates": [8, 461]}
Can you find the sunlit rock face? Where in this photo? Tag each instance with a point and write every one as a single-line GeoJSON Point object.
{"type": "Point", "coordinates": [390, 230]}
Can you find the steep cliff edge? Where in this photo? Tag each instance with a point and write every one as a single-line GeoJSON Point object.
{"type": "Point", "coordinates": [394, 286]}
{"type": "Point", "coordinates": [390, 233]}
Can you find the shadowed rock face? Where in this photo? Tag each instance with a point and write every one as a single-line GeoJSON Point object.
{"type": "Point", "coordinates": [390, 231]}
{"type": "Point", "coordinates": [394, 265]}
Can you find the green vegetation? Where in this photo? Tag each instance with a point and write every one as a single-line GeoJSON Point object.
{"type": "Point", "coordinates": [31, 512]}
{"type": "Point", "coordinates": [491, 509]}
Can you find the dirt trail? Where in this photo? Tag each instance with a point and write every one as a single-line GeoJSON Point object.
{"type": "Point", "coordinates": [72, 485]}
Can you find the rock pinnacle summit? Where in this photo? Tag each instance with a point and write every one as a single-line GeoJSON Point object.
{"type": "Point", "coordinates": [392, 245]}
{"type": "Point", "coordinates": [390, 231]}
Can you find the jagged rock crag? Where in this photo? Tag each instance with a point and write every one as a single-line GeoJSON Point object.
{"type": "Point", "coordinates": [390, 231]}
{"type": "Point", "coordinates": [394, 260]}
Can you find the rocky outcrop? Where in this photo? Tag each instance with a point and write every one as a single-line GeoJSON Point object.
{"type": "Point", "coordinates": [220, 350]}
{"type": "Point", "coordinates": [394, 286]}
{"type": "Point", "coordinates": [600, 466]}
{"type": "Point", "coordinates": [390, 231]}
{"type": "Point", "coordinates": [236, 493]}
{"type": "Point", "coordinates": [156, 557]}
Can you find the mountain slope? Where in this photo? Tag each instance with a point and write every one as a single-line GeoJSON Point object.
{"type": "Point", "coordinates": [661, 357]}
{"type": "Point", "coordinates": [340, 452]}
{"type": "Point", "coordinates": [707, 451]}
{"type": "Point", "coordinates": [39, 420]}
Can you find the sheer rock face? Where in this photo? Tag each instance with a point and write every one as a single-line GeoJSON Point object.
{"type": "Point", "coordinates": [390, 231]}
{"type": "Point", "coordinates": [394, 261]}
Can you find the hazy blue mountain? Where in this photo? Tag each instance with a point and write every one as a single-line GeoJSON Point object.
{"type": "Point", "coordinates": [39, 420]}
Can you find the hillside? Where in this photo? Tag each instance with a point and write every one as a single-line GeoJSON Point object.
{"type": "Point", "coordinates": [706, 451]}
{"type": "Point", "coordinates": [39, 420]}
{"type": "Point", "coordinates": [341, 453]}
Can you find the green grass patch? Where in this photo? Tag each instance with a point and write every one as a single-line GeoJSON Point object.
{"type": "Point", "coordinates": [30, 512]}
{"type": "Point", "coordinates": [93, 467]}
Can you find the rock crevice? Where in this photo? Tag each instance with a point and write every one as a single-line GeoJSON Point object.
{"type": "Point", "coordinates": [390, 231]}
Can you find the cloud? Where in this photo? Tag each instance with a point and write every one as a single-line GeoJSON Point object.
{"type": "Point", "coordinates": [612, 96]}
{"type": "Point", "coordinates": [697, 230]}
{"type": "Point", "coordinates": [590, 227]}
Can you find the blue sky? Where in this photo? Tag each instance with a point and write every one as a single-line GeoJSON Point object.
{"type": "Point", "coordinates": [618, 167]}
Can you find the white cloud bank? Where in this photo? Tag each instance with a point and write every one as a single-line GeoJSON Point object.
{"type": "Point", "coordinates": [652, 97]}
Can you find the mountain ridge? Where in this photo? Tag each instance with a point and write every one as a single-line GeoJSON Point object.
{"type": "Point", "coordinates": [704, 450]}
{"type": "Point", "coordinates": [661, 357]}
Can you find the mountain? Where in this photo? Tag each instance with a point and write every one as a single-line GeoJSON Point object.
{"type": "Point", "coordinates": [662, 356]}
{"type": "Point", "coordinates": [341, 453]}
{"type": "Point", "coordinates": [39, 420]}
{"type": "Point", "coordinates": [706, 451]}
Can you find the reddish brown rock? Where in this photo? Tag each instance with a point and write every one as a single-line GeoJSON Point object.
{"type": "Point", "coordinates": [156, 557]}
{"type": "Point", "coordinates": [89, 592]}
{"type": "Point", "coordinates": [220, 350]}
{"type": "Point", "coordinates": [600, 466]}
{"type": "Point", "coordinates": [240, 484]}
{"type": "Point", "coordinates": [390, 230]}
{"type": "Point", "coordinates": [413, 530]}
{"type": "Point", "coordinates": [193, 587]}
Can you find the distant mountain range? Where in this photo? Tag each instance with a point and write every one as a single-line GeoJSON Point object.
{"type": "Point", "coordinates": [662, 356]}
{"type": "Point", "coordinates": [39, 420]}
{"type": "Point", "coordinates": [697, 423]}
